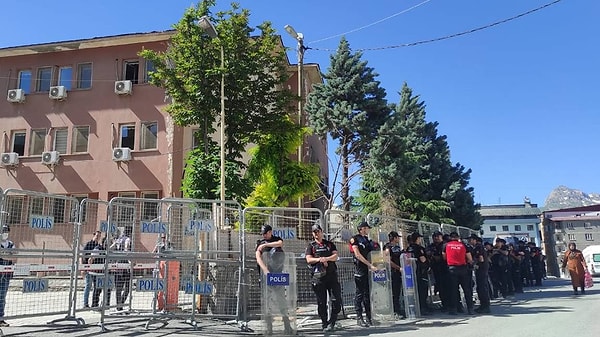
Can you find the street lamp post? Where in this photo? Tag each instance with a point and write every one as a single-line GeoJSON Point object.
{"type": "Point", "coordinates": [299, 37]}
{"type": "Point", "coordinates": [210, 29]}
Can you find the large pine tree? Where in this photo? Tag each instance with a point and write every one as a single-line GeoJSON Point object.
{"type": "Point", "coordinates": [350, 107]}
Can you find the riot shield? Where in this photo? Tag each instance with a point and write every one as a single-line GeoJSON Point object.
{"type": "Point", "coordinates": [279, 294]}
{"type": "Point", "coordinates": [381, 287]}
{"type": "Point", "coordinates": [409, 284]}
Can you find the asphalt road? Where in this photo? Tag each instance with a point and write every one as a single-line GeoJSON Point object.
{"type": "Point", "coordinates": [547, 311]}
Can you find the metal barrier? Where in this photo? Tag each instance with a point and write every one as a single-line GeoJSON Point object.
{"type": "Point", "coordinates": [42, 227]}
{"type": "Point", "coordinates": [293, 225]}
{"type": "Point", "coordinates": [463, 232]}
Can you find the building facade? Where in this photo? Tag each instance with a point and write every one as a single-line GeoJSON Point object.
{"type": "Point", "coordinates": [80, 119]}
{"type": "Point", "coordinates": [512, 222]}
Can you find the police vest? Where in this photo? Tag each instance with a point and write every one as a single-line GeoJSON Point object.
{"type": "Point", "coordinates": [456, 253]}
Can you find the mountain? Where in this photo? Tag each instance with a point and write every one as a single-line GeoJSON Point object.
{"type": "Point", "coordinates": [564, 197]}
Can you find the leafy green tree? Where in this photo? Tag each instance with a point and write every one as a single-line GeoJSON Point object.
{"type": "Point", "coordinates": [190, 71]}
{"type": "Point", "coordinates": [350, 107]}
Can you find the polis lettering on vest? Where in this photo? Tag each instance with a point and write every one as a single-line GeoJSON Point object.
{"type": "Point", "coordinates": [279, 279]}
{"type": "Point", "coordinates": [41, 222]}
{"type": "Point", "coordinates": [35, 285]}
{"type": "Point", "coordinates": [285, 233]}
{"type": "Point", "coordinates": [153, 227]}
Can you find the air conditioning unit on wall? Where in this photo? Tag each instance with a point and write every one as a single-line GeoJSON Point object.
{"type": "Point", "coordinates": [121, 154]}
{"type": "Point", "coordinates": [16, 96]}
{"type": "Point", "coordinates": [50, 157]}
{"type": "Point", "coordinates": [9, 159]}
{"type": "Point", "coordinates": [123, 88]}
{"type": "Point", "coordinates": [58, 92]}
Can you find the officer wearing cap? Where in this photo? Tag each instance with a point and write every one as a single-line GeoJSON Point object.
{"type": "Point", "coordinates": [393, 250]}
{"type": "Point", "coordinates": [482, 266]}
{"type": "Point", "coordinates": [321, 255]}
{"type": "Point", "coordinates": [459, 258]}
{"type": "Point", "coordinates": [500, 266]}
{"type": "Point", "coordinates": [361, 247]}
{"type": "Point", "coordinates": [417, 252]}
{"type": "Point", "coordinates": [5, 277]}
{"type": "Point", "coordinates": [439, 267]}
{"type": "Point", "coordinates": [273, 245]}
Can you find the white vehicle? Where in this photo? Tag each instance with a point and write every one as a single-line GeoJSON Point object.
{"type": "Point", "coordinates": [591, 254]}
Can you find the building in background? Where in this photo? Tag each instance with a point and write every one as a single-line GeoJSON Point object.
{"type": "Point", "coordinates": [512, 222]}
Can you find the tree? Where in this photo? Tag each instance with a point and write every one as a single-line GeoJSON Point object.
{"type": "Point", "coordinates": [350, 107]}
{"type": "Point", "coordinates": [190, 72]}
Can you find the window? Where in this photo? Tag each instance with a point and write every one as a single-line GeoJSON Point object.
{"type": "Point", "coordinates": [148, 70]}
{"type": "Point", "coordinates": [131, 69]}
{"type": "Point", "coordinates": [150, 209]}
{"type": "Point", "coordinates": [125, 209]}
{"type": "Point", "coordinates": [587, 225]}
{"type": "Point", "coordinates": [58, 210]}
{"type": "Point", "coordinates": [492, 228]}
{"type": "Point", "coordinates": [84, 76]}
{"type": "Point", "coordinates": [37, 142]}
{"type": "Point", "coordinates": [60, 140]}
{"type": "Point", "coordinates": [65, 77]}
{"type": "Point", "coordinates": [79, 142]}
{"type": "Point", "coordinates": [571, 237]}
{"type": "Point", "coordinates": [25, 81]}
{"type": "Point", "coordinates": [589, 237]}
{"type": "Point", "coordinates": [517, 228]}
{"type": "Point", "coordinates": [15, 209]}
{"type": "Point", "coordinates": [558, 225]}
{"type": "Point", "coordinates": [148, 138]}
{"type": "Point", "coordinates": [18, 142]}
{"type": "Point", "coordinates": [570, 226]}
{"type": "Point", "coordinates": [195, 140]}
{"type": "Point", "coordinates": [127, 136]}
{"type": "Point", "coordinates": [529, 228]}
{"type": "Point", "coordinates": [505, 228]}
{"type": "Point", "coordinates": [44, 78]}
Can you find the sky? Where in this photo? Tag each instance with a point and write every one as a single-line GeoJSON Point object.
{"type": "Point", "coordinates": [517, 101]}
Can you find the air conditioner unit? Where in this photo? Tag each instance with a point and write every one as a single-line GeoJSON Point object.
{"type": "Point", "coordinates": [50, 157]}
{"type": "Point", "coordinates": [121, 154]}
{"type": "Point", "coordinates": [9, 159]}
{"type": "Point", "coordinates": [57, 92]}
{"type": "Point", "coordinates": [123, 88]}
{"type": "Point", "coordinates": [16, 96]}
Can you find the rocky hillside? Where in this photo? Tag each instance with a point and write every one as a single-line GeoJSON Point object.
{"type": "Point", "coordinates": [564, 197]}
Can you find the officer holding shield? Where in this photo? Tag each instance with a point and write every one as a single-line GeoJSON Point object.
{"type": "Point", "coordinates": [361, 247]}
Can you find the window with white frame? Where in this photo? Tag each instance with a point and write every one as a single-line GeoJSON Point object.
{"type": "Point", "coordinates": [571, 237]}
{"type": "Point", "coordinates": [149, 135]}
{"type": "Point", "coordinates": [60, 140]}
{"type": "Point", "coordinates": [150, 209]}
{"type": "Point", "coordinates": [84, 75]}
{"type": "Point", "coordinates": [65, 77]}
{"type": "Point", "coordinates": [587, 225]}
{"type": "Point", "coordinates": [589, 237]}
{"type": "Point", "coordinates": [25, 81]}
{"type": "Point", "coordinates": [37, 142]}
{"type": "Point", "coordinates": [517, 228]}
{"type": "Point", "coordinates": [148, 69]}
{"type": "Point", "coordinates": [127, 135]}
{"type": "Point", "coordinates": [44, 79]}
{"type": "Point", "coordinates": [570, 226]}
{"type": "Point", "coordinates": [18, 142]}
{"type": "Point", "coordinates": [492, 228]}
{"type": "Point", "coordinates": [79, 141]}
{"type": "Point", "coordinates": [131, 69]}
{"type": "Point", "coordinates": [529, 228]}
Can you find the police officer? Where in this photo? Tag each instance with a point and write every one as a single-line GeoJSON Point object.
{"type": "Point", "coordinates": [500, 268]}
{"type": "Point", "coordinates": [321, 255]}
{"type": "Point", "coordinates": [393, 250]}
{"type": "Point", "coordinates": [5, 277]}
{"type": "Point", "coordinates": [361, 247]}
{"type": "Point", "coordinates": [273, 245]}
{"type": "Point", "coordinates": [458, 258]}
{"type": "Point", "coordinates": [439, 267]}
{"type": "Point", "coordinates": [482, 266]}
{"type": "Point", "coordinates": [417, 252]}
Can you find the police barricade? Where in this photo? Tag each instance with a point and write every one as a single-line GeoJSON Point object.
{"type": "Point", "coordinates": [380, 282]}
{"type": "Point", "coordinates": [164, 260]}
{"type": "Point", "coordinates": [409, 287]}
{"type": "Point", "coordinates": [341, 226]}
{"type": "Point", "coordinates": [278, 300]}
{"type": "Point", "coordinates": [293, 225]}
{"type": "Point", "coordinates": [38, 270]}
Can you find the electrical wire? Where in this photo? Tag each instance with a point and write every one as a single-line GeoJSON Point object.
{"type": "Point", "coordinates": [446, 37]}
{"type": "Point", "coordinates": [372, 24]}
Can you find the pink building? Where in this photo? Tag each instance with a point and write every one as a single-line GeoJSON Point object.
{"type": "Point", "coordinates": [80, 119]}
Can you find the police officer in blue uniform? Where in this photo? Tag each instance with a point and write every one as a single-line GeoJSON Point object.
{"type": "Point", "coordinates": [321, 255]}
{"type": "Point", "coordinates": [393, 250]}
{"type": "Point", "coordinates": [361, 247]}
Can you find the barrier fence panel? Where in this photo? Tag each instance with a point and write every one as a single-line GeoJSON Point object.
{"type": "Point", "coordinates": [39, 270]}
{"type": "Point", "coordinates": [293, 225]}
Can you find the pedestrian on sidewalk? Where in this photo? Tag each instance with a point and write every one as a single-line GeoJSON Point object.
{"type": "Point", "coordinates": [574, 262]}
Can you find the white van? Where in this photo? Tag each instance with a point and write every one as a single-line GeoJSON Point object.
{"type": "Point", "coordinates": [591, 254]}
